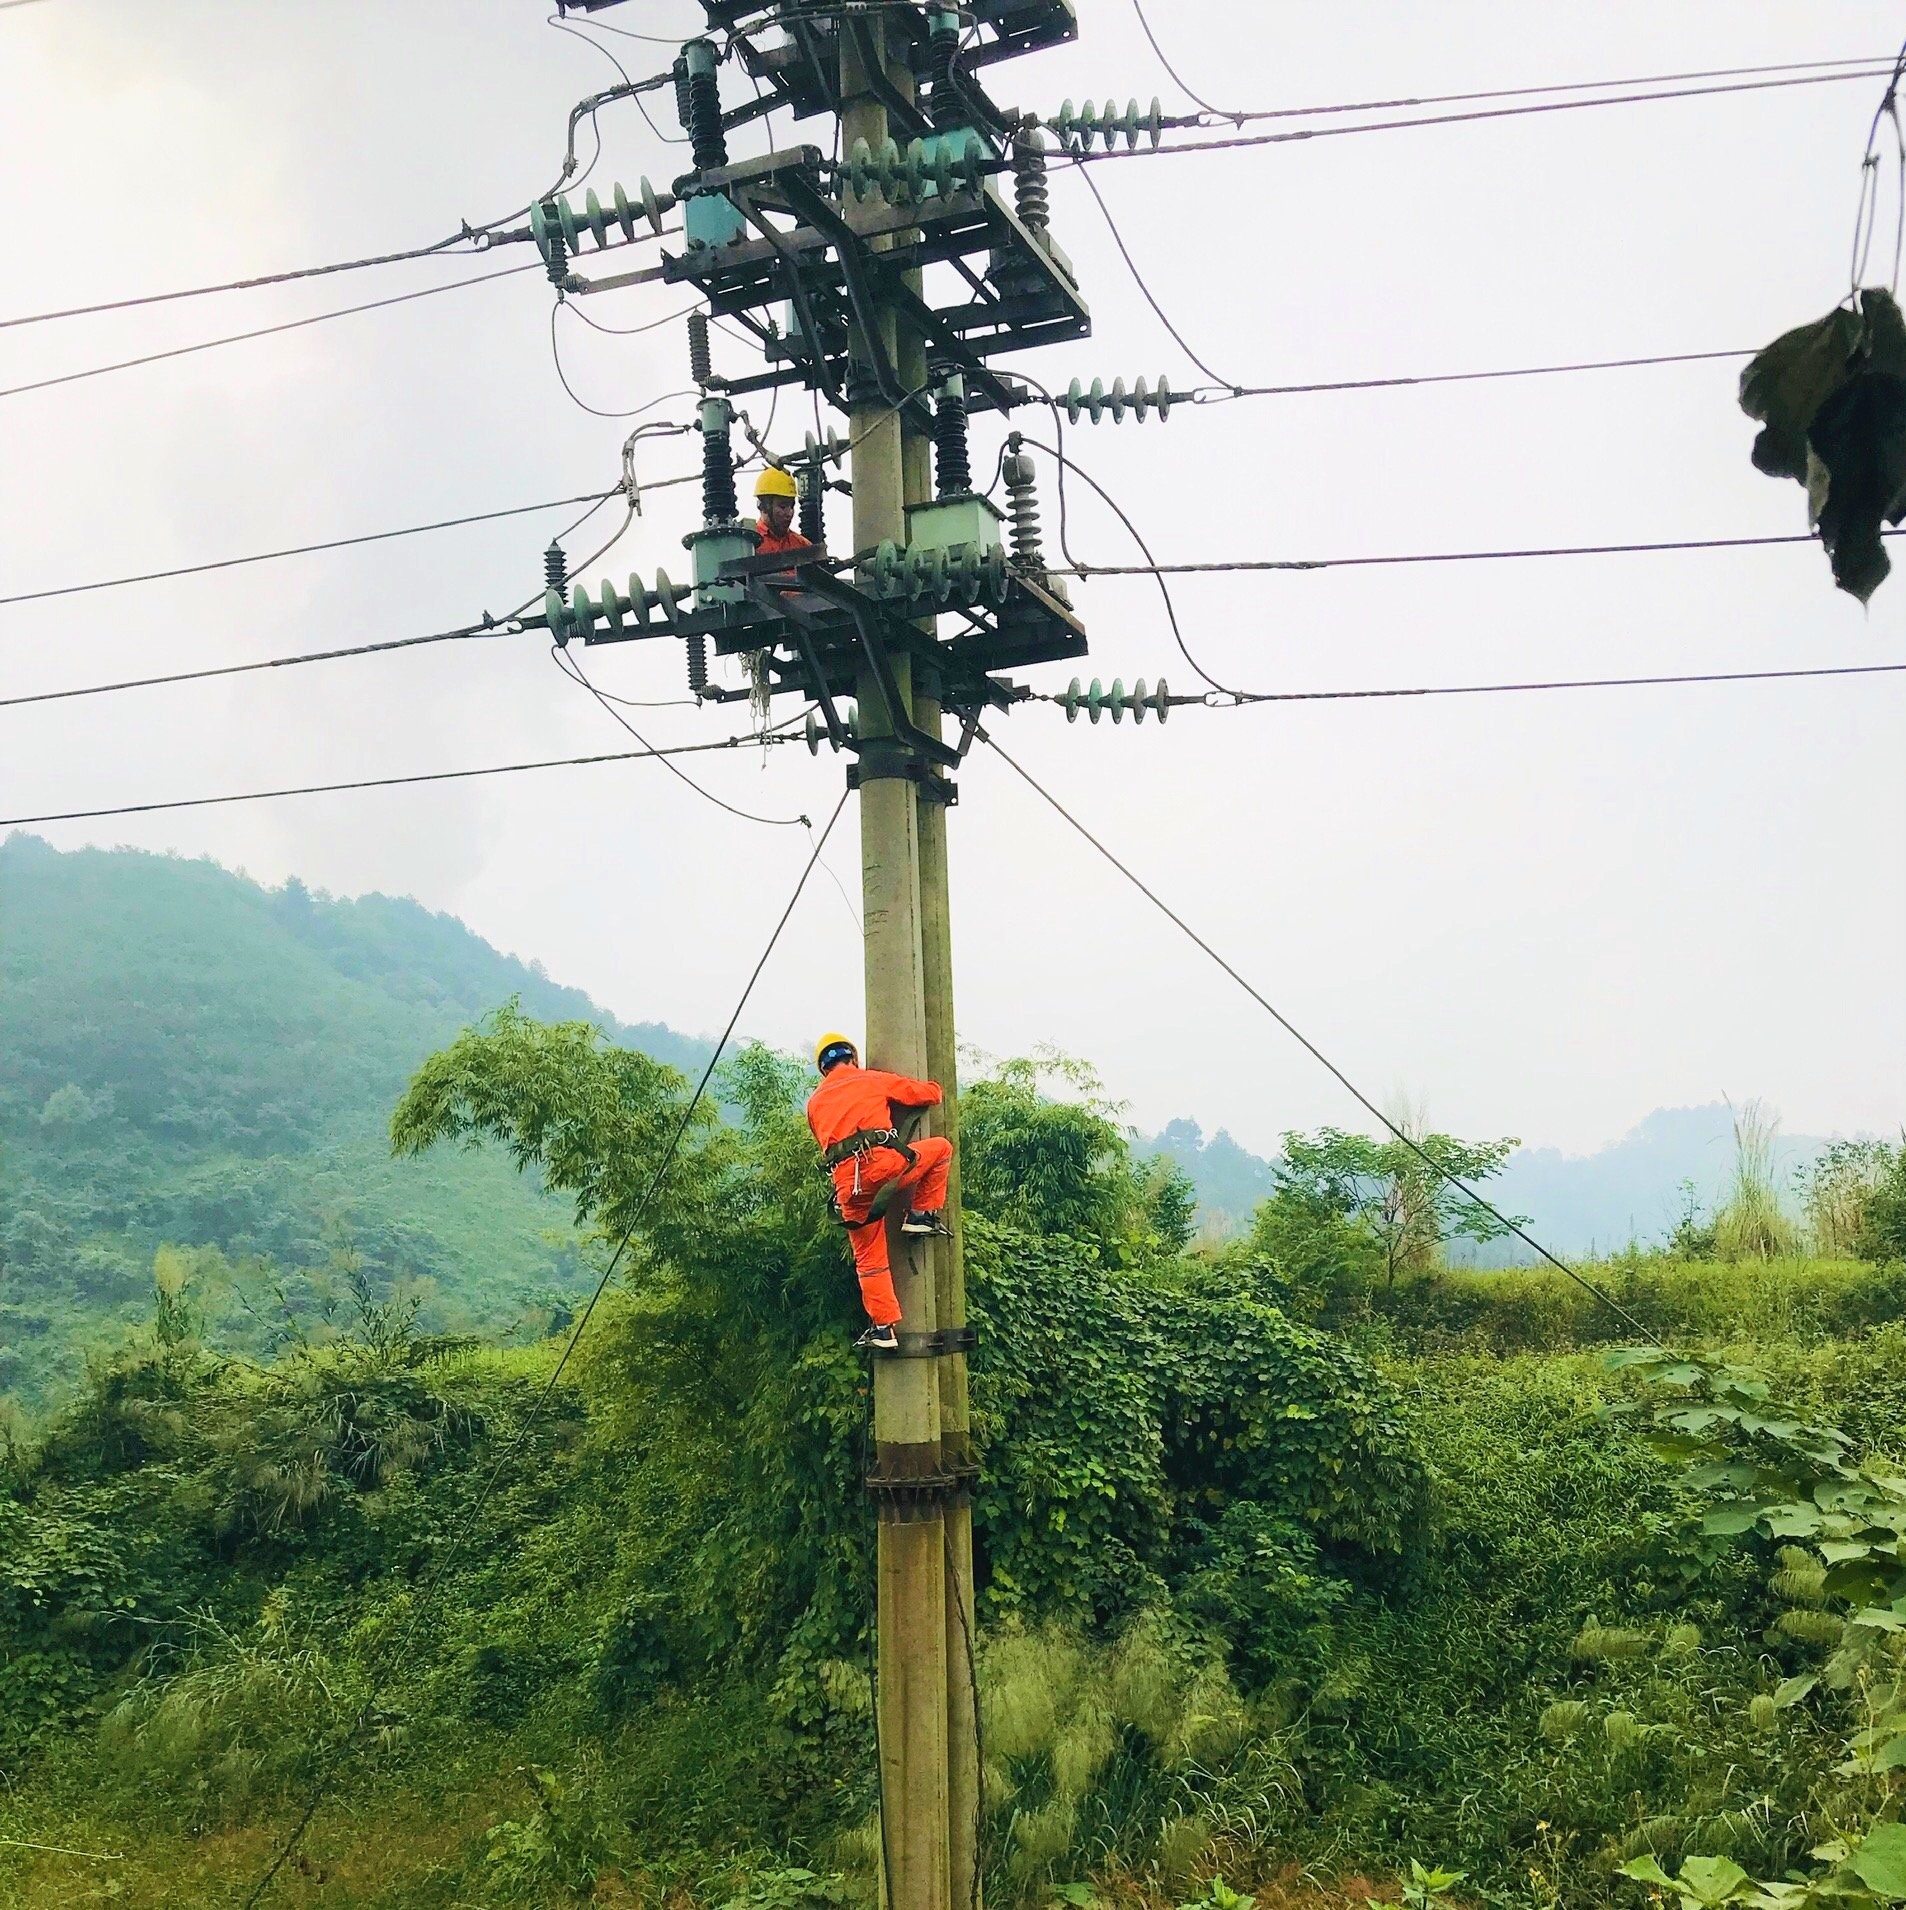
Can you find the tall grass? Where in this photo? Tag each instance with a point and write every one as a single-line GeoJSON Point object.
{"type": "Point", "coordinates": [1751, 1223]}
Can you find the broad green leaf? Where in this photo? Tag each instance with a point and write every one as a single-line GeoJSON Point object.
{"type": "Point", "coordinates": [1791, 1690]}
{"type": "Point", "coordinates": [1794, 1521]}
{"type": "Point", "coordinates": [1730, 1519]}
{"type": "Point", "coordinates": [1646, 1870]}
{"type": "Point", "coordinates": [1880, 1862]}
{"type": "Point", "coordinates": [1844, 1551]}
{"type": "Point", "coordinates": [1711, 1880]}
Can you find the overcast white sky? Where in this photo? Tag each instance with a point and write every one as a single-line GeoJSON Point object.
{"type": "Point", "coordinates": [1541, 915]}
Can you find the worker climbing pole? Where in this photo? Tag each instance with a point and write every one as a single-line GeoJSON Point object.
{"type": "Point", "coordinates": [884, 280]}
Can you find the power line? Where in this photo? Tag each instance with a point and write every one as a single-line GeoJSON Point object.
{"type": "Point", "coordinates": [501, 629]}
{"type": "Point", "coordinates": [1151, 565]}
{"type": "Point", "coordinates": [574, 672]}
{"type": "Point", "coordinates": [1429, 1160]}
{"type": "Point", "coordinates": [1454, 119]}
{"type": "Point", "coordinates": [595, 411]}
{"type": "Point", "coordinates": [441, 249]}
{"type": "Point", "coordinates": [303, 550]}
{"type": "Point", "coordinates": [395, 782]}
{"type": "Point", "coordinates": [266, 331]}
{"type": "Point", "coordinates": [1138, 279]}
{"type": "Point", "coordinates": [1244, 698]}
{"type": "Point", "coordinates": [1222, 393]}
{"type": "Point", "coordinates": [1500, 92]}
{"type": "Point", "coordinates": [1220, 565]}
{"type": "Point", "coordinates": [1217, 567]}
{"type": "Point", "coordinates": [508, 1455]}
{"type": "Point", "coordinates": [1177, 80]}
{"type": "Point", "coordinates": [1204, 395]}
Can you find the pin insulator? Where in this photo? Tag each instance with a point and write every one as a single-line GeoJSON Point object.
{"type": "Point", "coordinates": [1098, 701]}
{"type": "Point", "coordinates": [944, 106]}
{"type": "Point", "coordinates": [815, 732]}
{"type": "Point", "coordinates": [813, 511]}
{"type": "Point", "coordinates": [701, 363]}
{"type": "Point", "coordinates": [1032, 190]}
{"type": "Point", "coordinates": [719, 502]}
{"type": "Point", "coordinates": [679, 74]}
{"type": "Point", "coordinates": [558, 228]}
{"type": "Point", "coordinates": [832, 448]}
{"type": "Point", "coordinates": [963, 573]}
{"type": "Point", "coordinates": [708, 141]}
{"type": "Point", "coordinates": [1077, 130]}
{"type": "Point", "coordinates": [551, 241]}
{"type": "Point", "coordinates": [952, 463]}
{"type": "Point", "coordinates": [1096, 400]}
{"type": "Point", "coordinates": [1022, 509]}
{"type": "Point", "coordinates": [956, 161]}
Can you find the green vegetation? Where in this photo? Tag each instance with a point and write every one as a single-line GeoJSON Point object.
{"type": "Point", "coordinates": [191, 1059]}
{"type": "Point", "coordinates": [1302, 1555]}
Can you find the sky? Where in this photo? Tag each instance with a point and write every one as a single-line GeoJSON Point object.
{"type": "Point", "coordinates": [1538, 915]}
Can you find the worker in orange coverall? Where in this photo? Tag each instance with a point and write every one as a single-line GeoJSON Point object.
{"type": "Point", "coordinates": [775, 492]}
{"type": "Point", "coordinates": [871, 1167]}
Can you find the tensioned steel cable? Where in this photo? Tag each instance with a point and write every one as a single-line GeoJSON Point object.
{"type": "Point", "coordinates": [1429, 1160]}
{"type": "Point", "coordinates": [395, 782]}
{"type": "Point", "coordinates": [303, 550]}
{"type": "Point", "coordinates": [474, 239]}
{"type": "Point", "coordinates": [1455, 119]}
{"type": "Point", "coordinates": [1218, 566]}
{"type": "Point", "coordinates": [1242, 699]}
{"type": "Point", "coordinates": [1138, 279]}
{"type": "Point", "coordinates": [444, 248]}
{"type": "Point", "coordinates": [1204, 396]}
{"type": "Point", "coordinates": [508, 1455]}
{"type": "Point", "coordinates": [266, 331]}
{"type": "Point", "coordinates": [1152, 567]}
{"type": "Point", "coordinates": [1499, 92]}
{"type": "Point", "coordinates": [575, 673]}
{"type": "Point", "coordinates": [503, 627]}
{"type": "Point", "coordinates": [1222, 393]}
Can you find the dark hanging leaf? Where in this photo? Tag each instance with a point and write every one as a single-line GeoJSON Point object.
{"type": "Point", "coordinates": [1858, 475]}
{"type": "Point", "coordinates": [1832, 400]}
{"type": "Point", "coordinates": [1785, 385]}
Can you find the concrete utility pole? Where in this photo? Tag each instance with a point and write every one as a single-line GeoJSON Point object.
{"type": "Point", "coordinates": [911, 1684]}
{"type": "Point", "coordinates": [851, 272]}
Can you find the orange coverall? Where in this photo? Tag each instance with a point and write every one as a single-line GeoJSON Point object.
{"type": "Point", "coordinates": [768, 545]}
{"type": "Point", "coordinates": [851, 1100]}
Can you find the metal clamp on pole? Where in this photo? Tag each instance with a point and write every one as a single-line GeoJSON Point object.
{"type": "Point", "coordinates": [897, 760]}
{"type": "Point", "coordinates": [941, 1343]}
{"type": "Point", "coordinates": [909, 1482]}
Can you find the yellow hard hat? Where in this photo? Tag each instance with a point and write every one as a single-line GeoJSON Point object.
{"type": "Point", "coordinates": [834, 1040]}
{"type": "Point", "coordinates": [775, 482]}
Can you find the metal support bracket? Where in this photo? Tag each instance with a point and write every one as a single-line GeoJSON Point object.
{"type": "Point", "coordinates": [941, 1343]}
{"type": "Point", "coordinates": [918, 1480]}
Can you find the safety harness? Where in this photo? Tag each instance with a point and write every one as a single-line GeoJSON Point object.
{"type": "Point", "coordinates": [854, 1148]}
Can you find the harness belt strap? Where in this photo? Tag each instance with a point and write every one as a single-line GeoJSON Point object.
{"type": "Point", "coordinates": [861, 1143]}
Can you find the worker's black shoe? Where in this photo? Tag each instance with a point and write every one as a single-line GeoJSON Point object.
{"type": "Point", "coordinates": [920, 1222]}
{"type": "Point", "coordinates": [880, 1339]}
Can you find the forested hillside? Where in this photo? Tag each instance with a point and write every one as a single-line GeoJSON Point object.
{"type": "Point", "coordinates": [192, 1059]}
{"type": "Point", "coordinates": [479, 1633]}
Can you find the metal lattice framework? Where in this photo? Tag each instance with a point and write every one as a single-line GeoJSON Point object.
{"type": "Point", "coordinates": [941, 230]}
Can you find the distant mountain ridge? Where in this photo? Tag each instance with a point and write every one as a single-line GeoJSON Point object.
{"type": "Point", "coordinates": [195, 1060]}
{"type": "Point", "coordinates": [192, 1059]}
{"type": "Point", "coordinates": [1579, 1203]}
